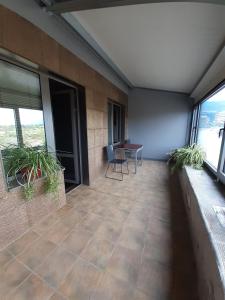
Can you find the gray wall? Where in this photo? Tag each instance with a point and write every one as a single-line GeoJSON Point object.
{"type": "Point", "coordinates": [66, 36]}
{"type": "Point", "coordinates": [159, 120]}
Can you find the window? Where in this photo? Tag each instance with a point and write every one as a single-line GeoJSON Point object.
{"type": "Point", "coordinates": [209, 119]}
{"type": "Point", "coordinates": [21, 115]}
{"type": "Point", "coordinates": [8, 133]}
{"type": "Point", "coordinates": [32, 126]}
{"type": "Point", "coordinates": [116, 123]}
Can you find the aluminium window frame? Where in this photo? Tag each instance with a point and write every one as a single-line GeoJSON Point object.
{"type": "Point", "coordinates": [217, 172]}
{"type": "Point", "coordinates": [121, 120]}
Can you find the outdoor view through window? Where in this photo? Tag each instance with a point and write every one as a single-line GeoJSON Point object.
{"type": "Point", "coordinates": [212, 118]}
{"type": "Point", "coordinates": [21, 113]}
{"type": "Point", "coordinates": [31, 127]}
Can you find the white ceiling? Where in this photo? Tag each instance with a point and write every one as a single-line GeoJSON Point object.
{"type": "Point", "coordinates": [164, 46]}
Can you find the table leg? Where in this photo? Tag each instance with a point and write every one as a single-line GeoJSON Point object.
{"type": "Point", "coordinates": [141, 157]}
{"type": "Point", "coordinates": [136, 161]}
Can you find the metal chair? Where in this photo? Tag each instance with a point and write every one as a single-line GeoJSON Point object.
{"type": "Point", "coordinates": [115, 161]}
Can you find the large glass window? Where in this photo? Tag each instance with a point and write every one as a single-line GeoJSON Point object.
{"type": "Point", "coordinates": [208, 130]}
{"type": "Point", "coordinates": [8, 133]}
{"type": "Point", "coordinates": [32, 126]}
{"type": "Point", "coordinates": [116, 122]}
{"type": "Point", "coordinates": [21, 115]}
{"type": "Point", "coordinates": [211, 124]}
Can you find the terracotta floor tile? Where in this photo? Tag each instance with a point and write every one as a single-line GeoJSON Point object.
{"type": "Point", "coordinates": [57, 232]}
{"type": "Point", "coordinates": [124, 264]}
{"type": "Point", "coordinates": [57, 296]}
{"type": "Point", "coordinates": [5, 258]}
{"type": "Point", "coordinates": [34, 255]}
{"type": "Point", "coordinates": [12, 275]}
{"type": "Point", "coordinates": [113, 240]}
{"type": "Point", "coordinates": [81, 282]}
{"type": "Point", "coordinates": [98, 252]}
{"type": "Point", "coordinates": [91, 222]}
{"type": "Point", "coordinates": [23, 242]}
{"type": "Point", "coordinates": [55, 268]}
{"type": "Point", "coordinates": [132, 238]}
{"type": "Point", "coordinates": [111, 288]}
{"type": "Point", "coordinates": [74, 218]}
{"type": "Point", "coordinates": [154, 279]}
{"type": "Point", "coordinates": [77, 240]}
{"type": "Point", "coordinates": [45, 224]}
{"type": "Point", "coordinates": [109, 230]}
{"type": "Point", "coordinates": [32, 288]}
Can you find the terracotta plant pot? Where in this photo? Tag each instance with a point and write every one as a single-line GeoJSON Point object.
{"type": "Point", "coordinates": [25, 171]}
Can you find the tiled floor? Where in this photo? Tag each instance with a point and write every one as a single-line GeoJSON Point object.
{"type": "Point", "coordinates": [114, 240]}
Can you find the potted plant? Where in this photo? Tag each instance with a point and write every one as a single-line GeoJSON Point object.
{"type": "Point", "coordinates": [26, 164]}
{"type": "Point", "coordinates": [192, 155]}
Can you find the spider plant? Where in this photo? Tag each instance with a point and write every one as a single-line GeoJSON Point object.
{"type": "Point", "coordinates": [187, 156]}
{"type": "Point", "coordinates": [26, 164]}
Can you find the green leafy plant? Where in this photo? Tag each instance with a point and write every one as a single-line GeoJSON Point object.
{"type": "Point", "coordinates": [187, 156]}
{"type": "Point", "coordinates": [26, 164]}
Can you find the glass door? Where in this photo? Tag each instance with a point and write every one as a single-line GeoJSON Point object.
{"type": "Point", "coordinates": [66, 127]}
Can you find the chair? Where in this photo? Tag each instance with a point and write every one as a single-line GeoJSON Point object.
{"type": "Point", "coordinates": [115, 161]}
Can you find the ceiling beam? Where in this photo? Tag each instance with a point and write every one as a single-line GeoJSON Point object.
{"type": "Point", "coordinates": [78, 5]}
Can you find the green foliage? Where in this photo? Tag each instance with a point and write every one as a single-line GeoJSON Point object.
{"type": "Point", "coordinates": [51, 184]}
{"type": "Point", "coordinates": [187, 156]}
{"type": "Point", "coordinates": [28, 191]}
{"type": "Point", "coordinates": [28, 163]}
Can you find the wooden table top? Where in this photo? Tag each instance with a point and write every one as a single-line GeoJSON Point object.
{"type": "Point", "coordinates": [129, 146]}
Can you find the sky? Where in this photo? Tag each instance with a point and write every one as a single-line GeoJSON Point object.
{"type": "Point", "coordinates": [27, 116]}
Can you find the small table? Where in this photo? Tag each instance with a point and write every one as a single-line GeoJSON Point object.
{"type": "Point", "coordinates": [133, 148]}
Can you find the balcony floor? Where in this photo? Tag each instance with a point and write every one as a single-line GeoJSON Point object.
{"type": "Point", "coordinates": [113, 240]}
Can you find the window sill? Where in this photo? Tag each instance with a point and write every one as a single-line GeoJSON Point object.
{"type": "Point", "coordinates": [202, 193]}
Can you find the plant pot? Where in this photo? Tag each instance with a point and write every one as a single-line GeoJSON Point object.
{"type": "Point", "coordinates": [25, 171]}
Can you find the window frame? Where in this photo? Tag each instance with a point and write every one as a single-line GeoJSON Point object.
{"type": "Point", "coordinates": [218, 172]}
{"type": "Point", "coordinates": [113, 103]}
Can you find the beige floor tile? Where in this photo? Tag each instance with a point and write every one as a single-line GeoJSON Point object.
{"type": "Point", "coordinates": [23, 242]}
{"type": "Point", "coordinates": [81, 282]}
{"type": "Point", "coordinates": [98, 252]}
{"type": "Point", "coordinates": [55, 268]}
{"type": "Point", "coordinates": [32, 288]}
{"type": "Point", "coordinates": [77, 240]}
{"type": "Point", "coordinates": [34, 255]}
{"type": "Point", "coordinates": [11, 276]}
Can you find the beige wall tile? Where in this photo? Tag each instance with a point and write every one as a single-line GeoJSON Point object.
{"type": "Point", "coordinates": [98, 116]}
{"type": "Point", "coordinates": [105, 120]}
{"type": "Point", "coordinates": [105, 137]}
{"type": "Point", "coordinates": [91, 138]}
{"type": "Point", "coordinates": [21, 36]}
{"type": "Point", "coordinates": [50, 52]}
{"type": "Point", "coordinates": [99, 137]}
{"type": "Point", "coordinates": [89, 98]}
{"type": "Point", "coordinates": [69, 64]}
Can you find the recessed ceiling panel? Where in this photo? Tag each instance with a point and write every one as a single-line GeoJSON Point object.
{"type": "Point", "coordinates": [162, 46]}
